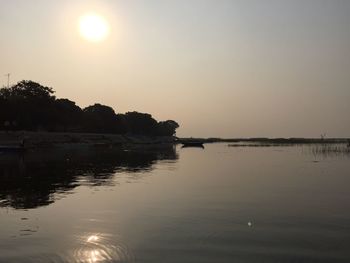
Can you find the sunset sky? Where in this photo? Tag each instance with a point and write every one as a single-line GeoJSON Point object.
{"type": "Point", "coordinates": [243, 68]}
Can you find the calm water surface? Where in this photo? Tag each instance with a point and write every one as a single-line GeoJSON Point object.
{"type": "Point", "coordinates": [220, 204]}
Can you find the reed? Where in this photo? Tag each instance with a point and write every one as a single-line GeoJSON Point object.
{"type": "Point", "coordinates": [330, 149]}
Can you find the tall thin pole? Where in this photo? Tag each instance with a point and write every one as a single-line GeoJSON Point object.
{"type": "Point", "coordinates": [8, 79]}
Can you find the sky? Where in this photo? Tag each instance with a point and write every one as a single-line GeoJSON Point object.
{"type": "Point", "coordinates": [244, 68]}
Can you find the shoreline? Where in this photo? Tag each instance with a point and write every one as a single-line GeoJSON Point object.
{"type": "Point", "coordinates": [49, 139]}
{"type": "Point", "coordinates": [29, 139]}
{"type": "Point", "coordinates": [281, 141]}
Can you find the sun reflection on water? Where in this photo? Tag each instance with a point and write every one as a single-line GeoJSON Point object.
{"type": "Point", "coordinates": [99, 247]}
{"type": "Point", "coordinates": [92, 238]}
{"type": "Point", "coordinates": [93, 256]}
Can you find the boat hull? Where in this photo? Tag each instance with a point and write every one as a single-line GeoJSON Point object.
{"type": "Point", "coordinates": [192, 144]}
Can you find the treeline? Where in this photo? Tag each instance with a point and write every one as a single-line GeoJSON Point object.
{"type": "Point", "coordinates": [31, 106]}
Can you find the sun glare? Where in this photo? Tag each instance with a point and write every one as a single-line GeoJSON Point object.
{"type": "Point", "coordinates": [93, 27]}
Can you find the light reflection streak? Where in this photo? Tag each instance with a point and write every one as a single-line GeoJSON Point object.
{"type": "Point", "coordinates": [98, 247]}
{"type": "Point", "coordinates": [92, 238]}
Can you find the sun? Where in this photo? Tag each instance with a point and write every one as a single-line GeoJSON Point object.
{"type": "Point", "coordinates": [93, 27]}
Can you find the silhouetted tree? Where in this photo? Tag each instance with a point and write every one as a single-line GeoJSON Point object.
{"type": "Point", "coordinates": [167, 128]}
{"type": "Point", "coordinates": [28, 105]}
{"type": "Point", "coordinates": [27, 89]}
{"type": "Point", "coordinates": [3, 112]}
{"type": "Point", "coordinates": [99, 118]}
{"type": "Point", "coordinates": [31, 106]}
{"type": "Point", "coordinates": [121, 126]}
{"type": "Point", "coordinates": [68, 115]}
{"type": "Point", "coordinates": [140, 123]}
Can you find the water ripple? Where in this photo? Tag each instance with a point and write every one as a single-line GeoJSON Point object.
{"type": "Point", "coordinates": [98, 247]}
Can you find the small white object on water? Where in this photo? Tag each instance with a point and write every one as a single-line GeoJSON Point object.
{"type": "Point", "coordinates": [250, 224]}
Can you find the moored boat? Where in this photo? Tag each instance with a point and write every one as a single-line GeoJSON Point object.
{"type": "Point", "coordinates": [192, 144]}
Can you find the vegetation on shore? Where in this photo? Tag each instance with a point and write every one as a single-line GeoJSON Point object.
{"type": "Point", "coordinates": [30, 106]}
{"type": "Point", "coordinates": [269, 141]}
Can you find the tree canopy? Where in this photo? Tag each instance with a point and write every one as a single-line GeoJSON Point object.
{"type": "Point", "coordinates": [28, 105]}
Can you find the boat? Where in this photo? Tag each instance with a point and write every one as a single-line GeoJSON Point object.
{"type": "Point", "coordinates": [197, 144]}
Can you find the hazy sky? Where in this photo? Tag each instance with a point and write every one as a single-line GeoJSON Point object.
{"type": "Point", "coordinates": [220, 68]}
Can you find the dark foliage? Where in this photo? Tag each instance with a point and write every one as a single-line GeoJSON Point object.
{"type": "Point", "coordinates": [140, 123]}
{"type": "Point", "coordinates": [167, 127]}
{"type": "Point", "coordinates": [68, 115]}
{"type": "Point", "coordinates": [31, 106]}
{"type": "Point", "coordinates": [99, 118]}
{"type": "Point", "coordinates": [27, 105]}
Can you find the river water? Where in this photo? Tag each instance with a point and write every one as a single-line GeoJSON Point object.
{"type": "Point", "coordinates": [173, 204]}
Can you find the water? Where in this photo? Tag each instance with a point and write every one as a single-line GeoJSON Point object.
{"type": "Point", "coordinates": [166, 204]}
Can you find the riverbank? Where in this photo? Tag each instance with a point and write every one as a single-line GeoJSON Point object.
{"type": "Point", "coordinates": [269, 141]}
{"type": "Point", "coordinates": [48, 139]}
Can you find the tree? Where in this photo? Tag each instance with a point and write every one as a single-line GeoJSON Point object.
{"type": "Point", "coordinates": [27, 89]}
{"type": "Point", "coordinates": [68, 115]}
{"type": "Point", "coordinates": [140, 123]}
{"type": "Point", "coordinates": [29, 105]}
{"type": "Point", "coordinates": [167, 128]}
{"type": "Point", "coordinates": [99, 118]}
